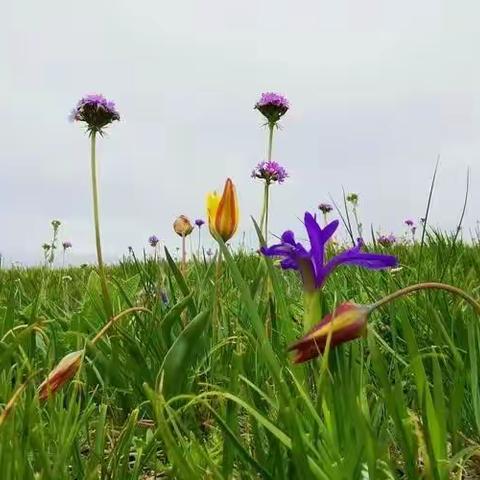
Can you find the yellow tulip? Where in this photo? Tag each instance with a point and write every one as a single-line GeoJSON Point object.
{"type": "Point", "coordinates": [222, 212]}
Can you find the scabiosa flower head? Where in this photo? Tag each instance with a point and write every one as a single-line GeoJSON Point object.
{"type": "Point", "coordinates": [387, 240]}
{"type": "Point", "coordinates": [96, 111]}
{"type": "Point", "coordinates": [66, 245]}
{"type": "Point", "coordinates": [199, 222]}
{"type": "Point", "coordinates": [409, 223]}
{"type": "Point", "coordinates": [347, 322]}
{"type": "Point", "coordinates": [325, 208]}
{"type": "Point", "coordinates": [153, 240]}
{"type": "Point", "coordinates": [312, 264]}
{"type": "Point", "coordinates": [272, 106]}
{"type": "Point", "coordinates": [270, 171]}
{"type": "Point", "coordinates": [182, 226]}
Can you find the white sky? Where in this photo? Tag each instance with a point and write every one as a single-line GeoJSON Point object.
{"type": "Point", "coordinates": [378, 89]}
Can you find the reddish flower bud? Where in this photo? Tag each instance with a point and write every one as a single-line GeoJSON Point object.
{"type": "Point", "coordinates": [60, 375]}
{"type": "Point", "coordinates": [347, 322]}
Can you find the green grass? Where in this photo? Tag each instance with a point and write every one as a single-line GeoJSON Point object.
{"type": "Point", "coordinates": [202, 387]}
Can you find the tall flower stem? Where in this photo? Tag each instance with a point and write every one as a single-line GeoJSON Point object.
{"type": "Point", "coordinates": [184, 254]}
{"type": "Point", "coordinates": [199, 241]}
{"type": "Point", "coordinates": [271, 127]}
{"type": "Point", "coordinates": [101, 268]}
{"type": "Point", "coordinates": [266, 193]}
{"type": "Point", "coordinates": [427, 286]}
{"type": "Point", "coordinates": [216, 301]}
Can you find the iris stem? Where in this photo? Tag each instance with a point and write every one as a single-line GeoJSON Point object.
{"type": "Point", "coordinates": [427, 286]}
{"type": "Point", "coordinates": [101, 268]}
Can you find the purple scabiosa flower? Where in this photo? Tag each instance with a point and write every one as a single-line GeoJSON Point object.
{"type": "Point", "coordinates": [66, 245]}
{"type": "Point", "coordinates": [199, 222]}
{"type": "Point", "coordinates": [409, 223]}
{"type": "Point", "coordinates": [270, 171]}
{"type": "Point", "coordinates": [272, 106]}
{"type": "Point", "coordinates": [387, 240]}
{"type": "Point", "coordinates": [153, 241]}
{"type": "Point", "coordinates": [325, 208]}
{"type": "Point", "coordinates": [96, 111]}
{"type": "Point", "coordinates": [312, 264]}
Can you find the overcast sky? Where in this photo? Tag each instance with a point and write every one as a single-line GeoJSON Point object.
{"type": "Point", "coordinates": [378, 90]}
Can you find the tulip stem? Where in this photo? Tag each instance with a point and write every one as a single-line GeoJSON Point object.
{"type": "Point", "coordinates": [426, 286]}
{"type": "Point", "coordinates": [216, 303]}
{"type": "Point", "coordinates": [101, 269]}
{"type": "Point", "coordinates": [184, 254]}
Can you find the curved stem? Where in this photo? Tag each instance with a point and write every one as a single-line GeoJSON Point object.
{"type": "Point", "coordinates": [101, 269]}
{"type": "Point", "coordinates": [107, 326]}
{"type": "Point", "coordinates": [427, 286]}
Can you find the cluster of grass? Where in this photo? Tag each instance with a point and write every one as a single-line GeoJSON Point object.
{"type": "Point", "coordinates": [200, 386]}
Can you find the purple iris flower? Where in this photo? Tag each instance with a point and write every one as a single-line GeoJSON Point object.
{"type": "Point", "coordinates": [270, 172]}
{"type": "Point", "coordinates": [153, 241]}
{"type": "Point", "coordinates": [312, 264]}
{"type": "Point", "coordinates": [199, 222]}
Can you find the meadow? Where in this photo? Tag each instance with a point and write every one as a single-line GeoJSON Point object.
{"type": "Point", "coordinates": [321, 359]}
{"type": "Point", "coordinates": [200, 388]}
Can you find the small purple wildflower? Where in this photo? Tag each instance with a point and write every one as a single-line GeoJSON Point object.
{"type": "Point", "coordinates": [270, 171]}
{"type": "Point", "coordinates": [387, 240]}
{"type": "Point", "coordinates": [272, 106]}
{"type": "Point", "coordinates": [409, 223]}
{"type": "Point", "coordinates": [96, 111]}
{"type": "Point", "coordinates": [199, 222]}
{"type": "Point", "coordinates": [312, 264]}
{"type": "Point", "coordinates": [153, 241]}
{"type": "Point", "coordinates": [325, 208]}
{"type": "Point", "coordinates": [66, 245]}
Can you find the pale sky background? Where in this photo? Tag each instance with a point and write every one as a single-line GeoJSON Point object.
{"type": "Point", "coordinates": [377, 88]}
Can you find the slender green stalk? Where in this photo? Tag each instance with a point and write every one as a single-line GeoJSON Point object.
{"type": "Point", "coordinates": [184, 254]}
{"type": "Point", "coordinates": [266, 192]}
{"type": "Point", "coordinates": [101, 268]}
{"type": "Point", "coordinates": [271, 127]}
{"type": "Point", "coordinates": [199, 241]}
{"type": "Point", "coordinates": [426, 286]}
